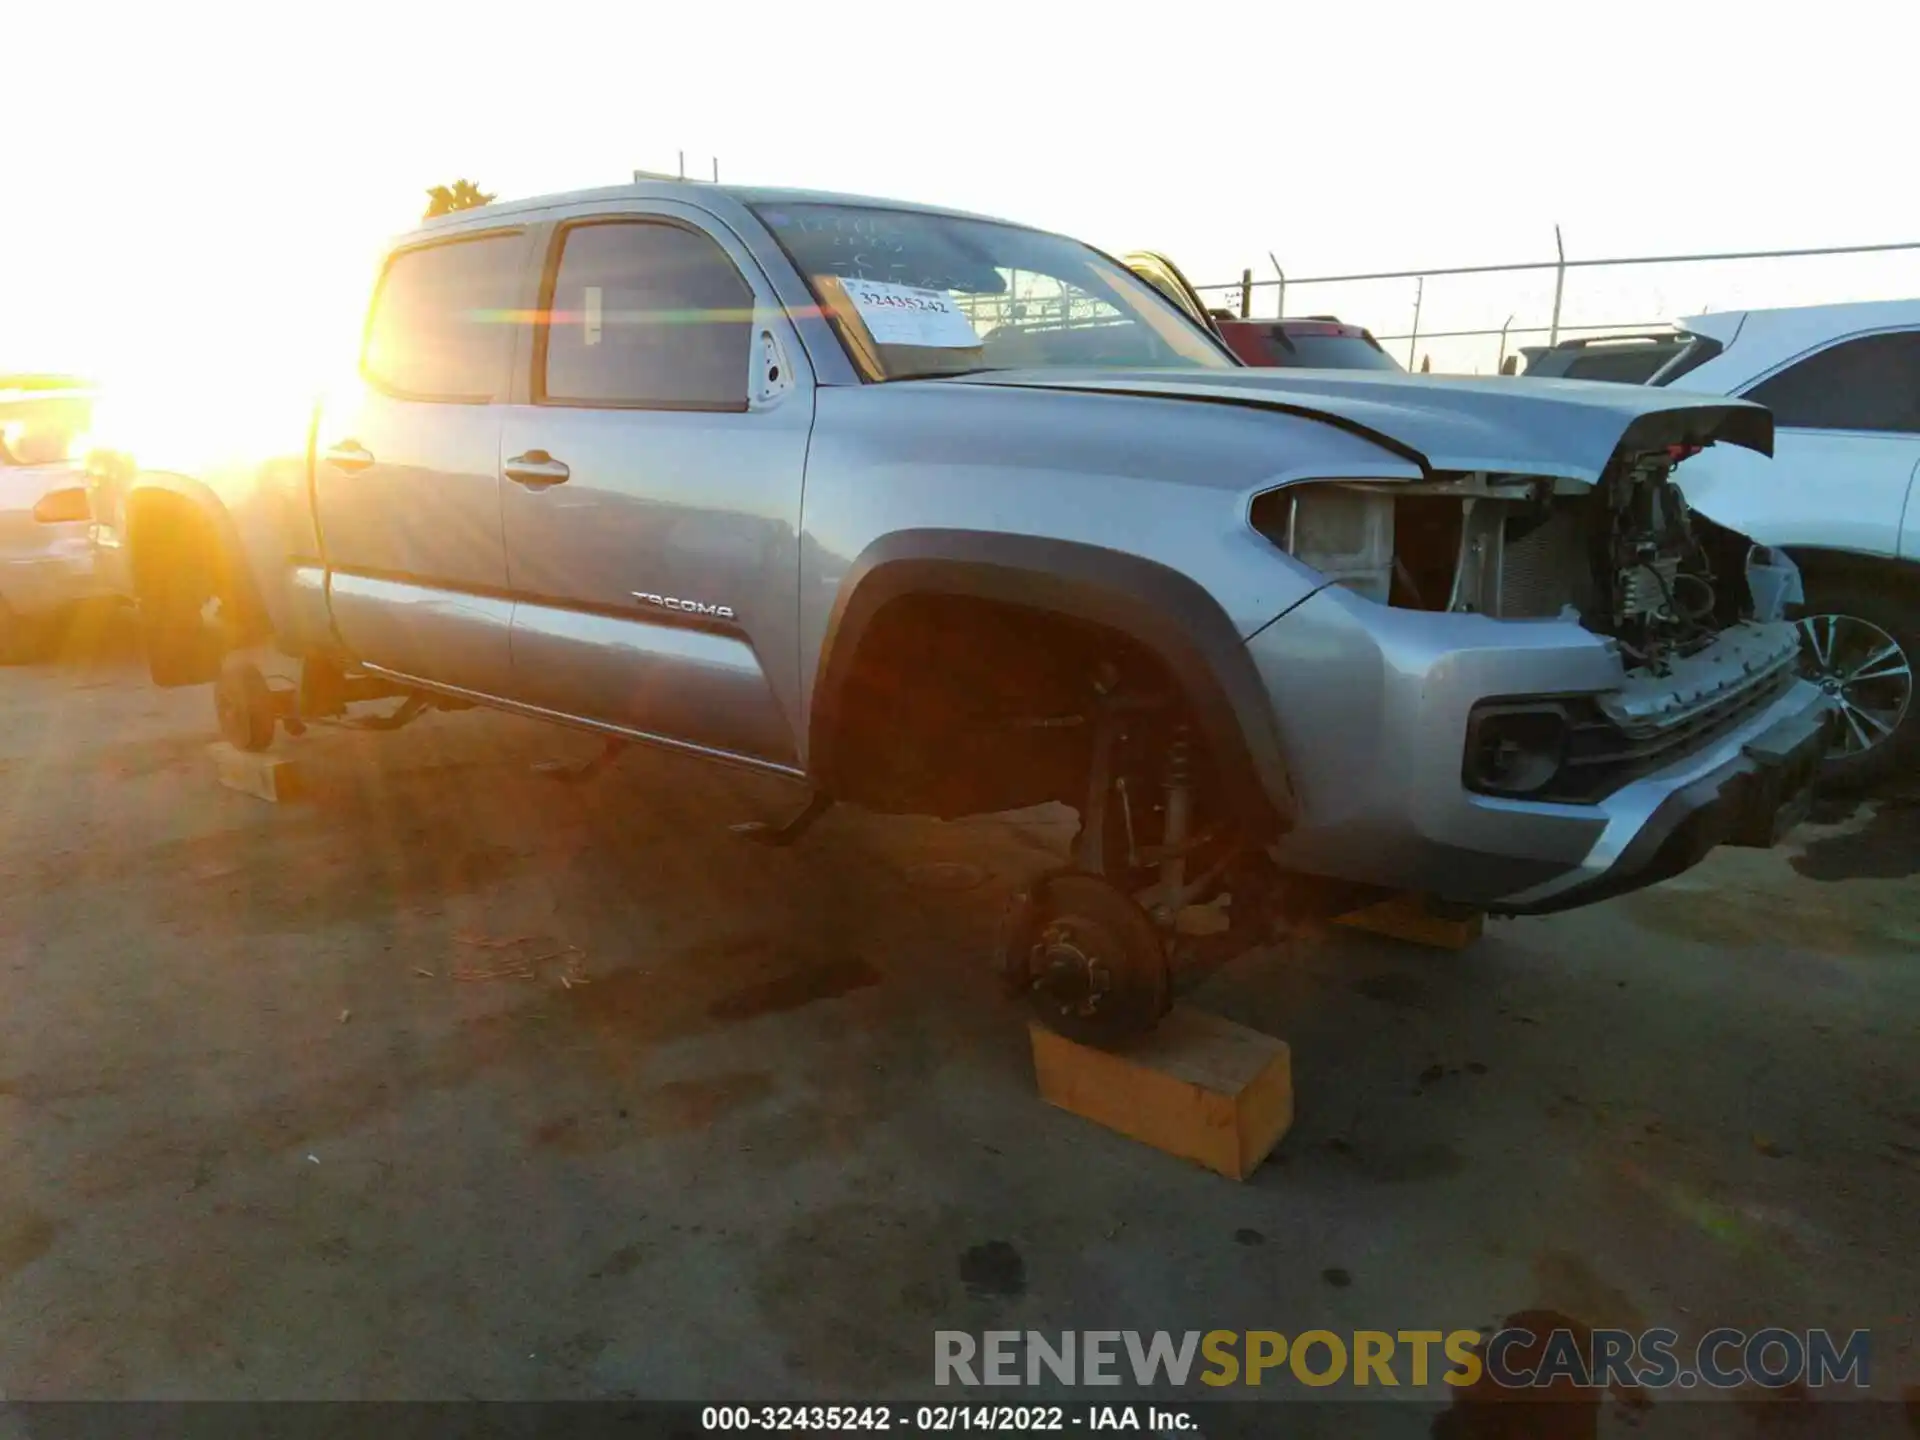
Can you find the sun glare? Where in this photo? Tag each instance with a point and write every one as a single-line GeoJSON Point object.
{"type": "Point", "coordinates": [185, 382]}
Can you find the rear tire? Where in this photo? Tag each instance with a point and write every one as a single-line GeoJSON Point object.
{"type": "Point", "coordinates": [244, 705]}
{"type": "Point", "coordinates": [1860, 644]}
{"type": "Point", "coordinates": [182, 649]}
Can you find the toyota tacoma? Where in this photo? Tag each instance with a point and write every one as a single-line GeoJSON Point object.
{"type": "Point", "coordinates": [934, 514]}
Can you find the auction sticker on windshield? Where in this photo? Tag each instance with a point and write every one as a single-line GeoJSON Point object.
{"type": "Point", "coordinates": [904, 315]}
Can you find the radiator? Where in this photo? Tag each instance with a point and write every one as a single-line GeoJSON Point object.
{"type": "Point", "coordinates": [1543, 572]}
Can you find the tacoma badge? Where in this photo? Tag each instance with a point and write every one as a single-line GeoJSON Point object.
{"type": "Point", "coordinates": [685, 607]}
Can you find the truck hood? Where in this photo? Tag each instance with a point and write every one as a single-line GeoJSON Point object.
{"type": "Point", "coordinates": [1561, 428]}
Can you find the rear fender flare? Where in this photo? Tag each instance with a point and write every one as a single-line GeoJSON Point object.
{"type": "Point", "coordinates": [231, 554]}
{"type": "Point", "coordinates": [1161, 609]}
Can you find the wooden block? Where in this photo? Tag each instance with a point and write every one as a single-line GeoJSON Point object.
{"type": "Point", "coordinates": [1199, 1087]}
{"type": "Point", "coordinates": [271, 777]}
{"type": "Point", "coordinates": [1415, 919]}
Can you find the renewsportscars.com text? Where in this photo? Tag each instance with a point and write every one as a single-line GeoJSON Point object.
{"type": "Point", "coordinates": [1512, 1358]}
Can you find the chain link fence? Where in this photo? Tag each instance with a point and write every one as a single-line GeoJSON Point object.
{"type": "Point", "coordinates": [1246, 293]}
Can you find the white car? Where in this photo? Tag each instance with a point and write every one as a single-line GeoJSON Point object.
{"type": "Point", "coordinates": [46, 550]}
{"type": "Point", "coordinates": [1843, 382]}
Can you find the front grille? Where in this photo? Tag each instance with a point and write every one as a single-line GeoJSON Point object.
{"type": "Point", "coordinates": [1601, 757]}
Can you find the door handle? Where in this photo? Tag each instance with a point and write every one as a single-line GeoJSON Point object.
{"type": "Point", "coordinates": [536, 470]}
{"type": "Point", "coordinates": [350, 456]}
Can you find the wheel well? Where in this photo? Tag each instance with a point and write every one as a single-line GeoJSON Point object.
{"type": "Point", "coordinates": [172, 545]}
{"type": "Point", "coordinates": [957, 705]}
{"type": "Point", "coordinates": [174, 549]}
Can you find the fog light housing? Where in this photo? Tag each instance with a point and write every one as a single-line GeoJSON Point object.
{"type": "Point", "coordinates": [1514, 749]}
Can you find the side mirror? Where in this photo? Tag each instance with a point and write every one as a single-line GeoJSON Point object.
{"type": "Point", "coordinates": [58, 507]}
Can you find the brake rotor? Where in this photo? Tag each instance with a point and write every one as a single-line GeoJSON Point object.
{"type": "Point", "coordinates": [243, 705]}
{"type": "Point", "coordinates": [1095, 964]}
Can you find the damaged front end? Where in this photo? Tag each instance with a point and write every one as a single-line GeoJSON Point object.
{"type": "Point", "coordinates": [1694, 612]}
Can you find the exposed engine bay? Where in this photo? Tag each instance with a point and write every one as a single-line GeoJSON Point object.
{"type": "Point", "coordinates": [1695, 610]}
{"type": "Point", "coordinates": [1626, 557]}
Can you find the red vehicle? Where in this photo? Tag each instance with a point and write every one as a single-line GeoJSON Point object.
{"type": "Point", "coordinates": [1320, 342]}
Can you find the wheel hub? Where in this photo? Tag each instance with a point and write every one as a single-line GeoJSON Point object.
{"type": "Point", "coordinates": [1067, 967]}
{"type": "Point", "coordinates": [1866, 673]}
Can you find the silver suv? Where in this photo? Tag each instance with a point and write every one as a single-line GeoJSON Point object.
{"type": "Point", "coordinates": [932, 513]}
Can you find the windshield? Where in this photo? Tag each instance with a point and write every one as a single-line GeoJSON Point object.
{"type": "Point", "coordinates": [914, 294]}
{"type": "Point", "coordinates": [42, 429]}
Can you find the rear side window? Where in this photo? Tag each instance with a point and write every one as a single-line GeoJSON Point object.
{"type": "Point", "coordinates": [441, 323]}
{"type": "Point", "coordinates": [646, 314]}
{"type": "Point", "coordinates": [1872, 383]}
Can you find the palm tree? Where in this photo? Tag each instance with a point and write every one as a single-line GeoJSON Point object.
{"type": "Point", "coordinates": [461, 195]}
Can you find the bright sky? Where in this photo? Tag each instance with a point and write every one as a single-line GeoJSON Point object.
{"type": "Point", "coordinates": [201, 189]}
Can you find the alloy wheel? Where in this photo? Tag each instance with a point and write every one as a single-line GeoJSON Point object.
{"type": "Point", "coordinates": [1865, 670]}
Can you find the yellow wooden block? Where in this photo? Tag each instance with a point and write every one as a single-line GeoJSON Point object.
{"type": "Point", "coordinates": [1199, 1087]}
{"type": "Point", "coordinates": [270, 777]}
{"type": "Point", "coordinates": [1415, 919]}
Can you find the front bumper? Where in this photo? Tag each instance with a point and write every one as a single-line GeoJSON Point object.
{"type": "Point", "coordinates": [1372, 706]}
{"type": "Point", "coordinates": [1752, 799]}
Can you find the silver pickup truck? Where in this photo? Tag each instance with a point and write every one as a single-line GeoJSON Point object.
{"type": "Point", "coordinates": [936, 514]}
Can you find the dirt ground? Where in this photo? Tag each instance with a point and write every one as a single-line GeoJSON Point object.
{"type": "Point", "coordinates": [262, 1141]}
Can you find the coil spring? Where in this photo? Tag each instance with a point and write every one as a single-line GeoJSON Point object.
{"type": "Point", "coordinates": [1179, 759]}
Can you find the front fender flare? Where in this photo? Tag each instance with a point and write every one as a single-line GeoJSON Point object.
{"type": "Point", "coordinates": [1163, 610]}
